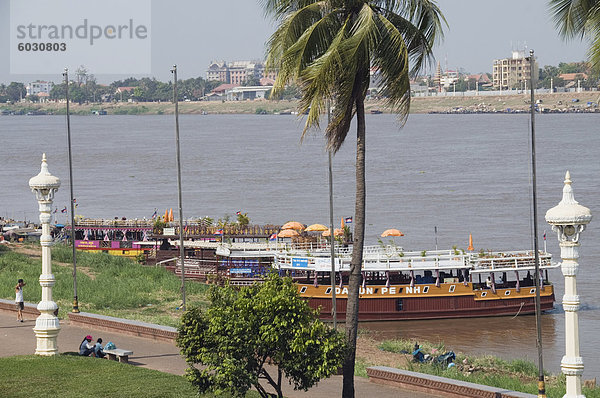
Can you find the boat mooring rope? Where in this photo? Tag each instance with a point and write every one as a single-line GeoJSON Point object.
{"type": "Point", "coordinates": [520, 308]}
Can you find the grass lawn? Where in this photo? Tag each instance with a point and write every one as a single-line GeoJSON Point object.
{"type": "Point", "coordinates": [68, 376]}
{"type": "Point", "coordinates": [107, 285]}
{"type": "Point", "coordinates": [516, 375]}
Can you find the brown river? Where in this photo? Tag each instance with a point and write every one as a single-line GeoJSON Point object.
{"type": "Point", "coordinates": [464, 174]}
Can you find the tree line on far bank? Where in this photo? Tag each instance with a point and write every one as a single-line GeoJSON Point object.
{"type": "Point", "coordinates": [85, 89]}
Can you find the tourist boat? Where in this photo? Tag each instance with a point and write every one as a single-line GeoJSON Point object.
{"type": "Point", "coordinates": [122, 237]}
{"type": "Point", "coordinates": [398, 285]}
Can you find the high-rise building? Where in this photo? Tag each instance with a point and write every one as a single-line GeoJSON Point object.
{"type": "Point", "coordinates": [237, 72]}
{"type": "Point", "coordinates": [513, 72]}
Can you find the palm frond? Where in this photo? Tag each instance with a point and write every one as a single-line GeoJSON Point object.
{"type": "Point", "coordinates": [318, 81]}
{"type": "Point", "coordinates": [571, 16]}
{"type": "Point", "coordinates": [392, 61]}
{"type": "Point", "coordinates": [279, 9]}
{"type": "Point", "coordinates": [297, 47]}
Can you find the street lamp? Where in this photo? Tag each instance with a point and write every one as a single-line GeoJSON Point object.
{"type": "Point", "coordinates": [45, 185]}
{"type": "Point", "coordinates": [569, 220]}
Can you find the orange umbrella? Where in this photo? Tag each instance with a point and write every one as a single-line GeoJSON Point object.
{"type": "Point", "coordinates": [171, 215]}
{"type": "Point", "coordinates": [336, 232]}
{"type": "Point", "coordinates": [391, 232]}
{"type": "Point", "coordinates": [316, 227]}
{"type": "Point", "coordinates": [166, 218]}
{"type": "Point", "coordinates": [293, 225]}
{"type": "Point", "coordinates": [470, 248]}
{"type": "Point", "coordinates": [287, 233]}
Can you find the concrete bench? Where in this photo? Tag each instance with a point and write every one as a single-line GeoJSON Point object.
{"type": "Point", "coordinates": [118, 353]}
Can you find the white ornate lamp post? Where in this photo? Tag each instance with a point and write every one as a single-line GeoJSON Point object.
{"type": "Point", "coordinates": [569, 219]}
{"type": "Point", "coordinates": [45, 185]}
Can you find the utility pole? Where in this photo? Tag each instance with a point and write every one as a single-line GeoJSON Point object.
{"type": "Point", "coordinates": [538, 311]}
{"type": "Point", "coordinates": [181, 248]}
{"type": "Point", "coordinates": [75, 299]}
{"type": "Point", "coordinates": [331, 235]}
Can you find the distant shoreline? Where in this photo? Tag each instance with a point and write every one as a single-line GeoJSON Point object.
{"type": "Point", "coordinates": [449, 104]}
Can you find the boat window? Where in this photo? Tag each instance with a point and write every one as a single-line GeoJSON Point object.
{"type": "Point", "coordinates": [507, 292]}
{"type": "Point", "coordinates": [532, 291]}
{"type": "Point", "coordinates": [425, 289]}
{"type": "Point", "coordinates": [303, 289]}
{"type": "Point", "coordinates": [452, 287]}
{"type": "Point", "coordinates": [328, 290]}
{"type": "Point", "coordinates": [399, 304]}
{"type": "Point", "coordinates": [483, 294]}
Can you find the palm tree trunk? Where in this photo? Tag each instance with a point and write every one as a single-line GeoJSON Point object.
{"type": "Point", "coordinates": [357, 253]}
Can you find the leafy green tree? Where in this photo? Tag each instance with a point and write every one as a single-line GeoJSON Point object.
{"type": "Point", "coordinates": [577, 18]}
{"type": "Point", "coordinates": [251, 81]}
{"type": "Point", "coordinates": [58, 92]}
{"type": "Point", "coordinates": [245, 329]}
{"type": "Point", "coordinates": [243, 219]}
{"type": "Point", "coordinates": [573, 67]}
{"type": "Point", "coordinates": [328, 48]}
{"type": "Point", "coordinates": [16, 91]}
{"type": "Point", "coordinates": [77, 94]}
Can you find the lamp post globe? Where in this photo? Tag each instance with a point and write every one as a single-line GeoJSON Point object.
{"type": "Point", "coordinates": [569, 219]}
{"type": "Point", "coordinates": [47, 326]}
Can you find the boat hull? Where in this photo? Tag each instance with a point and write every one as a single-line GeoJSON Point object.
{"type": "Point", "coordinates": [460, 305]}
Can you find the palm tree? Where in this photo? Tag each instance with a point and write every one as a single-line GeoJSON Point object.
{"type": "Point", "coordinates": [329, 48]}
{"type": "Point", "coordinates": [579, 18]}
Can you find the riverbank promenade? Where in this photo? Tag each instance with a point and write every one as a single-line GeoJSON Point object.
{"type": "Point", "coordinates": [18, 338]}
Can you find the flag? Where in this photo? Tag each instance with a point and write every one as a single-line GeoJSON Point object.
{"type": "Point", "coordinates": [155, 214]}
{"type": "Point", "coordinates": [64, 210]}
{"type": "Point", "coordinates": [348, 220]}
{"type": "Point", "coordinates": [238, 213]}
{"type": "Point", "coordinates": [544, 235]}
{"type": "Point", "coordinates": [273, 237]}
{"type": "Point", "coordinates": [219, 232]}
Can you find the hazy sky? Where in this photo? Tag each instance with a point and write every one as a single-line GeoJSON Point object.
{"type": "Point", "coordinates": [191, 33]}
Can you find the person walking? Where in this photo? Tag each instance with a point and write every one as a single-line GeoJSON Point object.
{"type": "Point", "coordinates": [19, 299]}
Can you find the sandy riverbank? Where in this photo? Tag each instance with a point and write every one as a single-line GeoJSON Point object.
{"type": "Point", "coordinates": [555, 101]}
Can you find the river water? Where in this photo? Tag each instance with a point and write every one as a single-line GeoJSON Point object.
{"type": "Point", "coordinates": [465, 174]}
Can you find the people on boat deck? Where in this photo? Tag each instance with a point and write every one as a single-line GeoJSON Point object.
{"type": "Point", "coordinates": [86, 348]}
{"type": "Point", "coordinates": [488, 282]}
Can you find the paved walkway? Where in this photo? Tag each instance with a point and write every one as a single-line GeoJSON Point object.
{"type": "Point", "coordinates": [19, 339]}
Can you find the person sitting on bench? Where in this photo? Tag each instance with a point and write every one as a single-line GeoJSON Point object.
{"type": "Point", "coordinates": [86, 349]}
{"type": "Point", "coordinates": [98, 350]}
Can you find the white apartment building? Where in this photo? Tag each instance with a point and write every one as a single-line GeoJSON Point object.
{"type": "Point", "coordinates": [38, 87]}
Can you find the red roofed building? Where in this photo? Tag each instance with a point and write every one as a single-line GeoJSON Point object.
{"type": "Point", "coordinates": [267, 81]}
{"type": "Point", "coordinates": [569, 77]}
{"type": "Point", "coordinates": [221, 89]}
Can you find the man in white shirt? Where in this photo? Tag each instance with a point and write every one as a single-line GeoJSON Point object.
{"type": "Point", "coordinates": [19, 299]}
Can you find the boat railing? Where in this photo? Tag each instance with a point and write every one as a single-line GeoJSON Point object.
{"type": "Point", "coordinates": [506, 261]}
{"type": "Point", "coordinates": [88, 222]}
{"type": "Point", "coordinates": [375, 259]}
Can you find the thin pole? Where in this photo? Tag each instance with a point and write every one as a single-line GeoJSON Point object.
{"type": "Point", "coordinates": [538, 320]}
{"type": "Point", "coordinates": [181, 248]}
{"type": "Point", "coordinates": [75, 299]}
{"type": "Point", "coordinates": [331, 235]}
